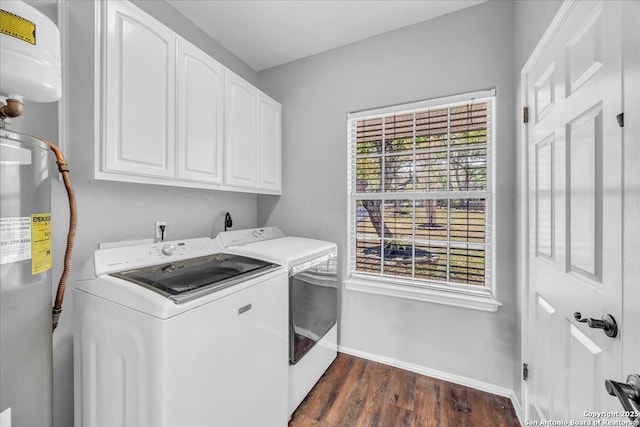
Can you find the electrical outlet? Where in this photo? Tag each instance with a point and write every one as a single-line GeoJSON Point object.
{"type": "Point", "coordinates": [160, 235]}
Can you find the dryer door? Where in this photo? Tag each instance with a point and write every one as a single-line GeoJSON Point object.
{"type": "Point", "coordinates": [313, 305]}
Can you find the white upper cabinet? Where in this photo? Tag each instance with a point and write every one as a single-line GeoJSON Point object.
{"type": "Point", "coordinates": [241, 132]}
{"type": "Point", "coordinates": [252, 140]}
{"type": "Point", "coordinates": [139, 94]}
{"type": "Point", "coordinates": [269, 143]}
{"type": "Point", "coordinates": [172, 115]}
{"type": "Point", "coordinates": [200, 115]}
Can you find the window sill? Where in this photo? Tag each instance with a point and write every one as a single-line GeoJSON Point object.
{"type": "Point", "coordinates": [480, 299]}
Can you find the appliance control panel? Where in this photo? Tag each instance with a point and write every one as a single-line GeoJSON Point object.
{"type": "Point", "coordinates": [129, 257]}
{"type": "Point", "coordinates": [250, 235]}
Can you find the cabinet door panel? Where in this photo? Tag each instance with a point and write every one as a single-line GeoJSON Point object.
{"type": "Point", "coordinates": [200, 115]}
{"type": "Point", "coordinates": [241, 143]}
{"type": "Point", "coordinates": [139, 93]}
{"type": "Point", "coordinates": [269, 143]}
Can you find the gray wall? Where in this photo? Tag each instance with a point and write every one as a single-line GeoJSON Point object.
{"type": "Point", "coordinates": [464, 51]}
{"type": "Point", "coordinates": [530, 20]}
{"type": "Point", "coordinates": [112, 211]}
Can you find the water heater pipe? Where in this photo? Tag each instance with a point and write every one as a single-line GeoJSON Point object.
{"type": "Point", "coordinates": [73, 220]}
{"type": "Point", "coordinates": [13, 108]}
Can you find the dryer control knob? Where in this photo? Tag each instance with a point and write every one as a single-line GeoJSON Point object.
{"type": "Point", "coordinates": [169, 249]}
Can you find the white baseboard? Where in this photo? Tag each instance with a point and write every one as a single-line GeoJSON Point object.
{"type": "Point", "coordinates": [444, 376]}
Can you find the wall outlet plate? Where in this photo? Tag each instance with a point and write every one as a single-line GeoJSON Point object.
{"type": "Point", "coordinates": [159, 235]}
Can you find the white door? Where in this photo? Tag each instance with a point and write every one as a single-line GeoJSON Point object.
{"type": "Point", "coordinates": [631, 225]}
{"type": "Point", "coordinates": [575, 157]}
{"type": "Point", "coordinates": [269, 143]}
{"type": "Point", "coordinates": [139, 97]}
{"type": "Point", "coordinates": [241, 132]}
{"type": "Point", "coordinates": [200, 115]}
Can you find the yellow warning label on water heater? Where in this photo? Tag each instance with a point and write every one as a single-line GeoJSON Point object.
{"type": "Point", "coordinates": [41, 258]}
{"type": "Point", "coordinates": [18, 27]}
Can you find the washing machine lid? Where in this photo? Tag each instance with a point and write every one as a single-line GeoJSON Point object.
{"type": "Point", "coordinates": [187, 279]}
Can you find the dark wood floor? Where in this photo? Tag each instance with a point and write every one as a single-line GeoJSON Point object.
{"type": "Point", "coordinates": [358, 392]}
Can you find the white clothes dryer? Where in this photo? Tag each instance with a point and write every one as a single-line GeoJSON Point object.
{"type": "Point", "coordinates": [313, 300]}
{"type": "Point", "coordinates": [180, 333]}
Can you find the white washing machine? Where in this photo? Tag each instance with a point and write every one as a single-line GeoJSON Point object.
{"type": "Point", "coordinates": [313, 300]}
{"type": "Point", "coordinates": [180, 334]}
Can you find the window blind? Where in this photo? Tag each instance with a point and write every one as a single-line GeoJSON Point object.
{"type": "Point", "coordinates": [420, 191]}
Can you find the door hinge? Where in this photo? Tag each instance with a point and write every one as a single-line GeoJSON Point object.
{"type": "Point", "coordinates": [525, 371]}
{"type": "Point", "coordinates": [525, 114]}
{"type": "Point", "coordinates": [620, 119]}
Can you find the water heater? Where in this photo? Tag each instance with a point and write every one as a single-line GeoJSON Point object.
{"type": "Point", "coordinates": [29, 71]}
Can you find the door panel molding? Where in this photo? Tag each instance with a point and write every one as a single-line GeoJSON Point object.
{"type": "Point", "coordinates": [584, 194]}
{"type": "Point", "coordinates": [545, 206]}
{"type": "Point", "coordinates": [584, 53]}
{"type": "Point", "coordinates": [545, 89]}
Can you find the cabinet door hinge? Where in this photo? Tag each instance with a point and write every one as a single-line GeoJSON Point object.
{"type": "Point", "coordinates": [525, 371]}
{"type": "Point", "coordinates": [525, 114]}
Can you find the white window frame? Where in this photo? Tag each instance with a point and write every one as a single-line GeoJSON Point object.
{"type": "Point", "coordinates": [467, 296]}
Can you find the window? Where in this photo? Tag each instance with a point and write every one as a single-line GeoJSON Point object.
{"type": "Point", "coordinates": [420, 193]}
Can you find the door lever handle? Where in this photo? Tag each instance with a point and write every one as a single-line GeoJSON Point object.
{"type": "Point", "coordinates": [607, 324]}
{"type": "Point", "coordinates": [628, 394]}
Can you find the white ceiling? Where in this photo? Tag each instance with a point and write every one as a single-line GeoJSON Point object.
{"type": "Point", "coordinates": [267, 33]}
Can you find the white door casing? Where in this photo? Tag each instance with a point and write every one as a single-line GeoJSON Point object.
{"type": "Point", "coordinates": [573, 87]}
